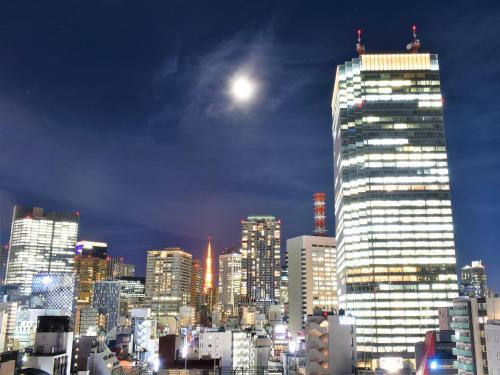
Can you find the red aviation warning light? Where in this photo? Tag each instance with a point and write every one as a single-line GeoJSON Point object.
{"type": "Point", "coordinates": [319, 204]}
{"type": "Point", "coordinates": [360, 48]}
{"type": "Point", "coordinates": [415, 43]}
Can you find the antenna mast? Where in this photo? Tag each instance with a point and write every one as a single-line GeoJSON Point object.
{"type": "Point", "coordinates": [360, 48]}
{"type": "Point", "coordinates": [415, 44]}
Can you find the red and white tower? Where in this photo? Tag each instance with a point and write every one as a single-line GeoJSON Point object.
{"type": "Point", "coordinates": [319, 214]}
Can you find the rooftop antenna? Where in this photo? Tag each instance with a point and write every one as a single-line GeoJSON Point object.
{"type": "Point", "coordinates": [415, 44]}
{"type": "Point", "coordinates": [360, 48]}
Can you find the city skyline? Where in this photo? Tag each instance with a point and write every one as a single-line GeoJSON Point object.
{"type": "Point", "coordinates": [33, 108]}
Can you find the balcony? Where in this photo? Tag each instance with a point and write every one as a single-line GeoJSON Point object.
{"type": "Point", "coordinates": [460, 338]}
{"type": "Point", "coordinates": [459, 325]}
{"type": "Point", "coordinates": [462, 353]}
{"type": "Point", "coordinates": [464, 366]}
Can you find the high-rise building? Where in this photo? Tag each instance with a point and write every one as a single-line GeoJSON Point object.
{"type": "Point", "coordinates": [196, 284]}
{"type": "Point", "coordinates": [312, 278]}
{"type": "Point", "coordinates": [475, 276]}
{"type": "Point", "coordinates": [107, 296]}
{"type": "Point", "coordinates": [230, 277]}
{"type": "Point", "coordinates": [133, 292]}
{"type": "Point", "coordinates": [40, 242]}
{"type": "Point", "coordinates": [168, 280]}
{"type": "Point", "coordinates": [92, 248]}
{"type": "Point", "coordinates": [260, 260]}
{"type": "Point", "coordinates": [395, 244]}
{"type": "Point", "coordinates": [4, 257]}
{"type": "Point", "coordinates": [89, 269]}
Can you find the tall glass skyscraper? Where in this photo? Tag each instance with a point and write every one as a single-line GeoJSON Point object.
{"type": "Point", "coordinates": [40, 242]}
{"type": "Point", "coordinates": [395, 246]}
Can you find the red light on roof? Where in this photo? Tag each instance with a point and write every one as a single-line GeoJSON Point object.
{"type": "Point", "coordinates": [414, 27]}
{"type": "Point", "coordinates": [325, 314]}
{"type": "Point", "coordinates": [77, 213]}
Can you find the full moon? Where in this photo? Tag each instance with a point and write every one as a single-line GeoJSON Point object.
{"type": "Point", "coordinates": [242, 88]}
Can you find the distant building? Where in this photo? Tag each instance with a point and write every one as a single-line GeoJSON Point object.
{"type": "Point", "coordinates": [40, 242]}
{"type": "Point", "coordinates": [92, 249]}
{"type": "Point", "coordinates": [133, 292]}
{"type": "Point", "coordinates": [197, 287]}
{"type": "Point", "coordinates": [117, 268]}
{"type": "Point", "coordinates": [312, 278]}
{"type": "Point", "coordinates": [260, 261]}
{"type": "Point", "coordinates": [92, 321]}
{"type": "Point", "coordinates": [469, 316]}
{"type": "Point", "coordinates": [4, 257]}
{"type": "Point", "coordinates": [330, 343]}
{"type": "Point", "coordinates": [107, 296]}
{"type": "Point", "coordinates": [168, 280]}
{"type": "Point", "coordinates": [217, 345]}
{"type": "Point", "coordinates": [474, 276]}
{"type": "Point", "coordinates": [229, 278]}
{"type": "Point", "coordinates": [89, 269]}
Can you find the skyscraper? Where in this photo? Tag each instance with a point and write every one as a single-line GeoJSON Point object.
{"type": "Point", "coordinates": [89, 269]}
{"type": "Point", "coordinates": [395, 244]}
{"type": "Point", "coordinates": [168, 280]}
{"type": "Point", "coordinates": [40, 242]}
{"type": "Point", "coordinates": [312, 278]}
{"type": "Point", "coordinates": [475, 276]}
{"type": "Point", "coordinates": [260, 260]}
{"type": "Point", "coordinates": [196, 285]}
{"type": "Point", "coordinates": [229, 277]}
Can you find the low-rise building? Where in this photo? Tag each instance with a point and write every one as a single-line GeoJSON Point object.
{"type": "Point", "coordinates": [330, 343]}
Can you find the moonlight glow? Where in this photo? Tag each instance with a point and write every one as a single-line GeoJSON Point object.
{"type": "Point", "coordinates": [242, 89]}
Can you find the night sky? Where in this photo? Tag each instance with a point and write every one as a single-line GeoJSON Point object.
{"type": "Point", "coordinates": [120, 110]}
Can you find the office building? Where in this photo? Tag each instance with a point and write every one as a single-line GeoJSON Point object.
{"type": "Point", "coordinates": [54, 291]}
{"type": "Point", "coordinates": [330, 343]}
{"type": "Point", "coordinates": [40, 242]}
{"type": "Point", "coordinates": [92, 249]}
{"type": "Point", "coordinates": [106, 295]}
{"type": "Point", "coordinates": [395, 243]}
{"type": "Point", "coordinates": [217, 344]}
{"type": "Point", "coordinates": [133, 292]}
{"type": "Point", "coordinates": [89, 269]}
{"type": "Point", "coordinates": [260, 260]}
{"type": "Point", "coordinates": [469, 316]}
{"type": "Point", "coordinates": [474, 276]}
{"type": "Point", "coordinates": [312, 278]}
{"type": "Point", "coordinates": [229, 278]}
{"type": "Point", "coordinates": [168, 280]}
{"type": "Point", "coordinates": [4, 257]}
{"type": "Point", "coordinates": [197, 286]}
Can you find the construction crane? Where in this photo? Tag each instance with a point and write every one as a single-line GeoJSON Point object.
{"type": "Point", "coordinates": [415, 44]}
{"type": "Point", "coordinates": [360, 48]}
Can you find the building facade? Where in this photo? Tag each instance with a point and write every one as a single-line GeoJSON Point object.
{"type": "Point", "coordinates": [395, 242]}
{"type": "Point", "coordinates": [330, 344]}
{"type": "Point", "coordinates": [469, 317]}
{"type": "Point", "coordinates": [40, 242]}
{"type": "Point", "coordinates": [229, 278]}
{"type": "Point", "coordinates": [197, 286]}
{"type": "Point", "coordinates": [474, 276]}
{"type": "Point", "coordinates": [260, 260]}
{"type": "Point", "coordinates": [106, 295]}
{"type": "Point", "coordinates": [88, 270]}
{"type": "Point", "coordinates": [168, 280]}
{"type": "Point", "coordinates": [312, 278]}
